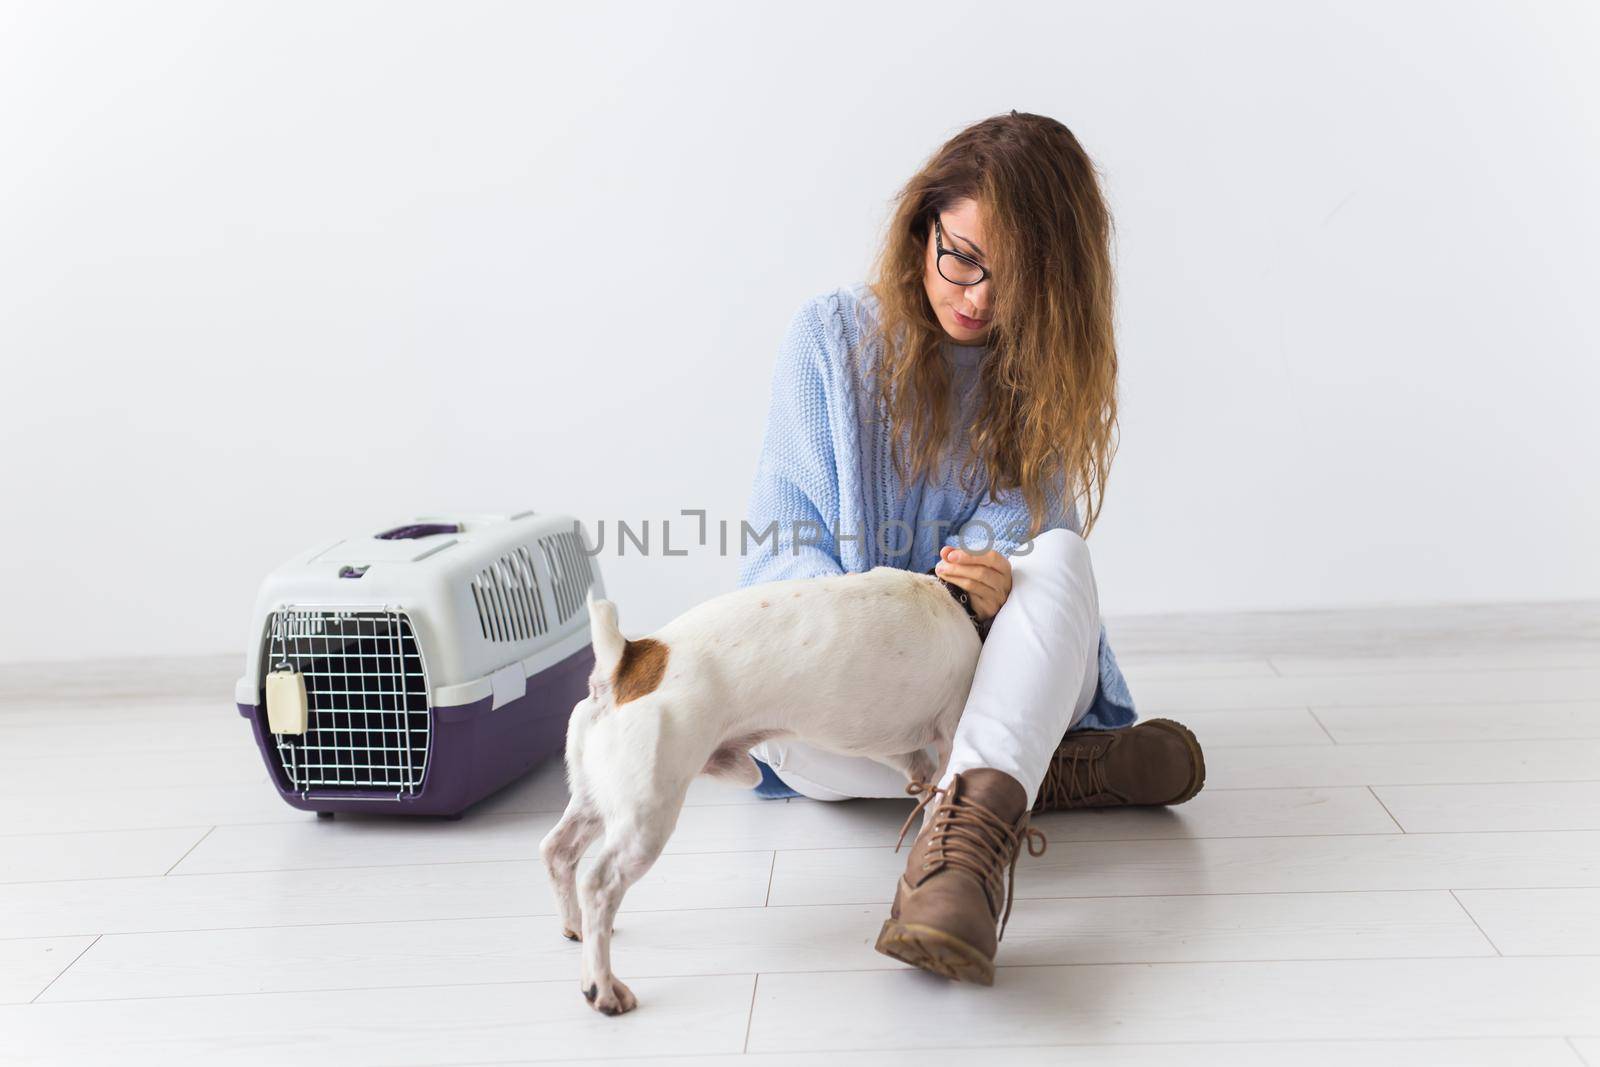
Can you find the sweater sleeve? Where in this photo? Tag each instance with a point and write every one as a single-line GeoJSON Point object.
{"type": "Point", "coordinates": [1003, 524]}
{"type": "Point", "coordinates": [794, 503]}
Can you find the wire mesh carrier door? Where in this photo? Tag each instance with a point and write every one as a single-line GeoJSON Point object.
{"type": "Point", "coordinates": [366, 690]}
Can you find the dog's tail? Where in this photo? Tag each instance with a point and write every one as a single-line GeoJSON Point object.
{"type": "Point", "coordinates": [604, 635]}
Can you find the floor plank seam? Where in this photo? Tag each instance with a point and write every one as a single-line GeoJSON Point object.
{"type": "Point", "coordinates": [1453, 670]}
{"type": "Point", "coordinates": [189, 850]}
{"type": "Point", "coordinates": [886, 969]}
{"type": "Point", "coordinates": [1576, 1051]}
{"type": "Point", "coordinates": [1048, 1046]}
{"type": "Point", "coordinates": [751, 1017]}
{"type": "Point", "coordinates": [1235, 893]}
{"type": "Point", "coordinates": [1321, 725]}
{"type": "Point", "coordinates": [64, 970]}
{"type": "Point", "coordinates": [1089, 843]}
{"type": "Point", "coordinates": [1468, 913]}
{"type": "Point", "coordinates": [1397, 705]}
{"type": "Point", "coordinates": [1403, 742]}
{"type": "Point", "coordinates": [1210, 787]}
{"type": "Point", "coordinates": [376, 819]}
{"type": "Point", "coordinates": [857, 848]}
{"type": "Point", "coordinates": [130, 829]}
{"type": "Point", "coordinates": [772, 869]}
{"type": "Point", "coordinates": [1385, 808]}
{"type": "Point", "coordinates": [513, 916]}
{"type": "Point", "coordinates": [1405, 785]}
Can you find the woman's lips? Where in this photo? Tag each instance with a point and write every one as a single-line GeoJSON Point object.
{"type": "Point", "coordinates": [971, 324]}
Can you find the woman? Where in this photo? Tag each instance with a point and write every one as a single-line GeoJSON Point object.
{"type": "Point", "coordinates": [945, 418]}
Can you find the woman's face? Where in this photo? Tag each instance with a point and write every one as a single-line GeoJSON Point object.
{"type": "Point", "coordinates": [963, 310]}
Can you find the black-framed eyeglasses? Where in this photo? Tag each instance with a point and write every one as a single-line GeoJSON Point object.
{"type": "Point", "coordinates": [960, 268]}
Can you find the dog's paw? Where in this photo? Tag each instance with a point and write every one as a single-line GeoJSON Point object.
{"type": "Point", "coordinates": [613, 999]}
{"type": "Point", "coordinates": [571, 935]}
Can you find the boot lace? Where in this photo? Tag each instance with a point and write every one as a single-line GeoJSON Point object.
{"type": "Point", "coordinates": [971, 837]}
{"type": "Point", "coordinates": [1063, 787]}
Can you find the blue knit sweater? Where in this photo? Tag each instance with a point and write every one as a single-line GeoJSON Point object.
{"type": "Point", "coordinates": [826, 484]}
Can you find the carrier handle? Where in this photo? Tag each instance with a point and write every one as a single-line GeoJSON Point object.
{"type": "Point", "coordinates": [419, 529]}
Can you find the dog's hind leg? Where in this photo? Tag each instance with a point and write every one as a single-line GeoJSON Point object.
{"type": "Point", "coordinates": [942, 747]}
{"type": "Point", "coordinates": [561, 849]}
{"type": "Point", "coordinates": [917, 766]}
{"type": "Point", "coordinates": [628, 852]}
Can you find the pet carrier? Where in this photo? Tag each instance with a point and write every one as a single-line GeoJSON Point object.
{"type": "Point", "coordinates": [422, 668]}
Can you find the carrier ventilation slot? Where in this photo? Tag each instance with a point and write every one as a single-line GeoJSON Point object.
{"type": "Point", "coordinates": [367, 700]}
{"type": "Point", "coordinates": [570, 571]}
{"type": "Point", "coordinates": [510, 602]}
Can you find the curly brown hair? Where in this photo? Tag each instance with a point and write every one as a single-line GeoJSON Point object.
{"type": "Point", "coordinates": [1048, 418]}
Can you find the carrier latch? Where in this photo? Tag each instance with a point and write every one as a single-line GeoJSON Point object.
{"type": "Point", "coordinates": [286, 701]}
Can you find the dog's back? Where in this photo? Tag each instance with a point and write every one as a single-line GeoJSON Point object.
{"type": "Point", "coordinates": [874, 663]}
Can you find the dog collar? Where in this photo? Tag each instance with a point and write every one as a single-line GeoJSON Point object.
{"type": "Point", "coordinates": [965, 600]}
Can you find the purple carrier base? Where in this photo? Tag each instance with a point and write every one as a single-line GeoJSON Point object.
{"type": "Point", "coordinates": [474, 750]}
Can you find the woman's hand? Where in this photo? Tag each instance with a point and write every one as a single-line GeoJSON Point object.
{"type": "Point", "coordinates": [986, 577]}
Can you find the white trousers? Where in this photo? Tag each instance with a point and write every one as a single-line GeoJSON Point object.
{"type": "Point", "coordinates": [1036, 677]}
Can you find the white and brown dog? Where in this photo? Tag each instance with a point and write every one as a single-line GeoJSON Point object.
{"type": "Point", "coordinates": [874, 664]}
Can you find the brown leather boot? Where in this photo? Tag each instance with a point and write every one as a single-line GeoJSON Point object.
{"type": "Point", "coordinates": [1153, 762]}
{"type": "Point", "coordinates": [951, 894]}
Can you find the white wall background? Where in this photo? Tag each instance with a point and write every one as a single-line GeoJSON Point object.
{"type": "Point", "coordinates": [275, 272]}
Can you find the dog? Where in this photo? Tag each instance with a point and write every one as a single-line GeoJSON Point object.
{"type": "Point", "coordinates": [877, 663]}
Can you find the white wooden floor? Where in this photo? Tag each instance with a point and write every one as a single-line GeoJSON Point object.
{"type": "Point", "coordinates": [1396, 860]}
